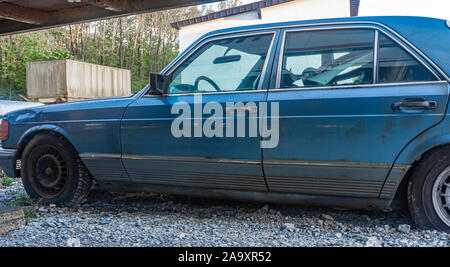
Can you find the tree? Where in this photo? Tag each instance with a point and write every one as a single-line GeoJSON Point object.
{"type": "Point", "coordinates": [141, 43]}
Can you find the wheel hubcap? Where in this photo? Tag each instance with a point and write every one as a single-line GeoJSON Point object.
{"type": "Point", "coordinates": [441, 196]}
{"type": "Point", "coordinates": [50, 172]}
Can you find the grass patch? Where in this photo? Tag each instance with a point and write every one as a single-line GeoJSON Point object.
{"type": "Point", "coordinates": [7, 181]}
{"type": "Point", "coordinates": [20, 199]}
{"type": "Point", "coordinates": [29, 213]}
{"type": "Point", "coordinates": [23, 200]}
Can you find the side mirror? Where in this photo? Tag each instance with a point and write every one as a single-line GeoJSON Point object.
{"type": "Point", "coordinates": [158, 83]}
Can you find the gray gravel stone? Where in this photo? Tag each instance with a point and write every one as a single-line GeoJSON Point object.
{"type": "Point", "coordinates": [105, 221]}
{"type": "Point", "coordinates": [326, 217]}
{"type": "Point", "coordinates": [73, 242]}
{"type": "Point", "coordinates": [143, 219]}
{"type": "Point", "coordinates": [288, 226]}
{"type": "Point", "coordinates": [373, 241]}
{"type": "Point", "coordinates": [404, 228]}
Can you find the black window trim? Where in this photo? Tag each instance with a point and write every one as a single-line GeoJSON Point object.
{"type": "Point", "coordinates": [377, 30]}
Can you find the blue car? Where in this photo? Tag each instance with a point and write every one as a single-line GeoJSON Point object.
{"type": "Point", "coordinates": [348, 112]}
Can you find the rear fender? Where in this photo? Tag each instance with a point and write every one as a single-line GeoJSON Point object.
{"type": "Point", "coordinates": [436, 136]}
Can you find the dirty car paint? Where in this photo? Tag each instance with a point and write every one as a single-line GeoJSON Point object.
{"type": "Point", "coordinates": [345, 143]}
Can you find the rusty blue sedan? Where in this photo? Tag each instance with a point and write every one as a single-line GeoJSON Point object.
{"type": "Point", "coordinates": [348, 112]}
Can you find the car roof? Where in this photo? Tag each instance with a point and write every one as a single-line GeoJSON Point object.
{"type": "Point", "coordinates": [387, 20]}
{"type": "Point", "coordinates": [431, 36]}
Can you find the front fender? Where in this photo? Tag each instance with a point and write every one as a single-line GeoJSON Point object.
{"type": "Point", "coordinates": [28, 134]}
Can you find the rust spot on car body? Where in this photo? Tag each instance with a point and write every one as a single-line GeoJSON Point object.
{"type": "Point", "coordinates": [357, 130]}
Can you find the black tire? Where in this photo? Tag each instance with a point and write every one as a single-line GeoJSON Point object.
{"type": "Point", "coordinates": [424, 175]}
{"type": "Point", "coordinates": [53, 173]}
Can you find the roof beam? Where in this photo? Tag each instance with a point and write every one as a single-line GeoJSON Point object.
{"type": "Point", "coordinates": [112, 5]}
{"type": "Point", "coordinates": [82, 13]}
{"type": "Point", "coordinates": [22, 14]}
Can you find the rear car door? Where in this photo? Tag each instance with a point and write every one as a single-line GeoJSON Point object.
{"type": "Point", "coordinates": [219, 70]}
{"type": "Point", "coordinates": [350, 98]}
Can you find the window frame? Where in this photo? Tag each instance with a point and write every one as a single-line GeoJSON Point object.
{"type": "Point", "coordinates": [195, 47]}
{"type": "Point", "coordinates": [375, 82]}
{"type": "Point", "coordinates": [279, 29]}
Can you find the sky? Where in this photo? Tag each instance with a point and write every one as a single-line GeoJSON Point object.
{"type": "Point", "coordinates": [427, 8]}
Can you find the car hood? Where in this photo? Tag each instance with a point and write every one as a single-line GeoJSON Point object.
{"type": "Point", "coordinates": [8, 106]}
{"type": "Point", "coordinates": [92, 109]}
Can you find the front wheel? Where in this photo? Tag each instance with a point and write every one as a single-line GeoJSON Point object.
{"type": "Point", "coordinates": [429, 191]}
{"type": "Point", "coordinates": [52, 171]}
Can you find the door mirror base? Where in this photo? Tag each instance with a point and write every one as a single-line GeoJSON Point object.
{"type": "Point", "coordinates": [158, 83]}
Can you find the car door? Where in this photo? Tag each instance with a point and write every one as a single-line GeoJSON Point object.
{"type": "Point", "coordinates": [350, 98]}
{"type": "Point", "coordinates": [182, 138]}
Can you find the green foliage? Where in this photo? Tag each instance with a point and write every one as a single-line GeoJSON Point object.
{"type": "Point", "coordinates": [136, 86]}
{"type": "Point", "coordinates": [140, 43]}
{"type": "Point", "coordinates": [16, 52]}
{"type": "Point", "coordinates": [23, 200]}
{"type": "Point", "coordinates": [29, 213]}
{"type": "Point", "coordinates": [7, 181]}
{"type": "Point", "coordinates": [20, 199]}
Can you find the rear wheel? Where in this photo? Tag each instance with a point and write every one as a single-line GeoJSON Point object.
{"type": "Point", "coordinates": [441, 196]}
{"type": "Point", "coordinates": [429, 191]}
{"type": "Point", "coordinates": [52, 171]}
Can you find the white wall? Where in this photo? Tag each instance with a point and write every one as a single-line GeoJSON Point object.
{"type": "Point", "coordinates": [190, 33]}
{"type": "Point", "coordinates": [317, 9]}
{"type": "Point", "coordinates": [290, 11]}
{"type": "Point", "coordinates": [306, 9]}
{"type": "Point", "coordinates": [428, 8]}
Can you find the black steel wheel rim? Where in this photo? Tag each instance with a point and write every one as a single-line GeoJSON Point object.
{"type": "Point", "coordinates": [50, 172]}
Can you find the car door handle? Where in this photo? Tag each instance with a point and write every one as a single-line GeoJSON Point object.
{"type": "Point", "coordinates": [414, 104]}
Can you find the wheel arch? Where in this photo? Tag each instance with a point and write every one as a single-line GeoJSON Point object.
{"type": "Point", "coordinates": [400, 196]}
{"type": "Point", "coordinates": [81, 181]}
{"type": "Point", "coordinates": [430, 141]}
{"type": "Point", "coordinates": [32, 132]}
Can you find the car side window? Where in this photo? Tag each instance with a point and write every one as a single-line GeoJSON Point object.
{"type": "Point", "coordinates": [396, 65]}
{"type": "Point", "coordinates": [229, 64]}
{"type": "Point", "coordinates": [327, 58]}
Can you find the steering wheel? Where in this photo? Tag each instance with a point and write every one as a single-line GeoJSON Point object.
{"type": "Point", "coordinates": [208, 80]}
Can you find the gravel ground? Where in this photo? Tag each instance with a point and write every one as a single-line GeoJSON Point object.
{"type": "Point", "coordinates": [144, 219]}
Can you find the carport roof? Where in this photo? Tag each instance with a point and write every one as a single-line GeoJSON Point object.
{"type": "Point", "coordinates": [26, 15]}
{"type": "Point", "coordinates": [255, 6]}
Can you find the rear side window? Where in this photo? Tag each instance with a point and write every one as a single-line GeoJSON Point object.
{"type": "Point", "coordinates": [346, 57]}
{"type": "Point", "coordinates": [327, 58]}
{"type": "Point", "coordinates": [396, 65]}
